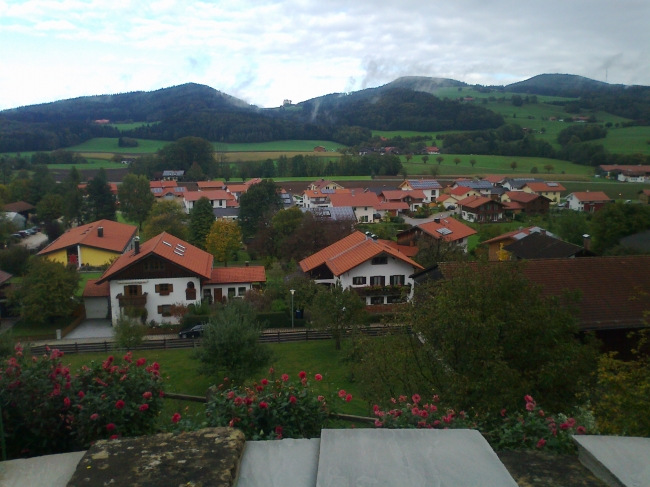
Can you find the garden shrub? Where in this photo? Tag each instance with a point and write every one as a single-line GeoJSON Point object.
{"type": "Point", "coordinates": [272, 408]}
{"type": "Point", "coordinates": [47, 409]}
{"type": "Point", "coordinates": [129, 332]}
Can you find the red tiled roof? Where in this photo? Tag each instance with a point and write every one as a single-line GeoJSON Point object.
{"type": "Point", "coordinates": [537, 187]}
{"type": "Point", "coordinates": [392, 205]}
{"type": "Point", "coordinates": [507, 235]}
{"type": "Point", "coordinates": [94, 290]}
{"type": "Point", "coordinates": [458, 229]}
{"type": "Point", "coordinates": [644, 191]}
{"type": "Point", "coordinates": [522, 197]}
{"type": "Point", "coordinates": [589, 196]}
{"type": "Point", "coordinates": [227, 275]}
{"type": "Point", "coordinates": [494, 178]}
{"type": "Point", "coordinates": [322, 182]}
{"type": "Point", "coordinates": [513, 205]}
{"type": "Point", "coordinates": [408, 250]}
{"type": "Point", "coordinates": [461, 190]}
{"type": "Point", "coordinates": [391, 195]}
{"type": "Point", "coordinates": [213, 194]}
{"type": "Point", "coordinates": [117, 237]}
{"type": "Point", "coordinates": [355, 199]}
{"type": "Point", "coordinates": [443, 197]}
{"type": "Point", "coordinates": [253, 181]}
{"type": "Point", "coordinates": [645, 168]}
{"type": "Point", "coordinates": [19, 207]}
{"type": "Point", "coordinates": [611, 287]}
{"type": "Point", "coordinates": [237, 188]}
{"type": "Point", "coordinates": [350, 252]}
{"type": "Point", "coordinates": [476, 201]}
{"type": "Point", "coordinates": [169, 248]}
{"type": "Point", "coordinates": [210, 184]}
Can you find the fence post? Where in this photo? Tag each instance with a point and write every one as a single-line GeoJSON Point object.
{"type": "Point", "coordinates": [278, 337]}
{"type": "Point", "coordinates": [76, 347]}
{"type": "Point", "coordinates": [164, 343]}
{"type": "Point", "coordinates": [105, 346]}
{"type": "Point", "coordinates": [307, 334]}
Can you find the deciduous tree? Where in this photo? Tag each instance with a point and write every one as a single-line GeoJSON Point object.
{"type": "Point", "coordinates": [136, 198]}
{"type": "Point", "coordinates": [223, 240]}
{"type": "Point", "coordinates": [165, 216]}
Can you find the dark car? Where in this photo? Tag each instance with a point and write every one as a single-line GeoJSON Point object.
{"type": "Point", "coordinates": [192, 332]}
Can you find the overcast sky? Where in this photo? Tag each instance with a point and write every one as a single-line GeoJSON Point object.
{"type": "Point", "coordinates": [266, 51]}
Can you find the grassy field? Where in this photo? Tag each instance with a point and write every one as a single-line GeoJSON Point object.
{"type": "Point", "coordinates": [184, 377]}
{"type": "Point", "coordinates": [109, 144]}
{"type": "Point", "coordinates": [629, 140]}
{"type": "Point", "coordinates": [131, 126]}
{"type": "Point", "coordinates": [85, 277]}
{"type": "Point", "coordinates": [453, 93]}
{"type": "Point", "coordinates": [93, 163]}
{"type": "Point", "coordinates": [613, 189]}
{"type": "Point", "coordinates": [236, 157]}
{"type": "Point", "coordinates": [494, 165]}
{"type": "Point", "coordinates": [279, 145]}
{"type": "Point", "coordinates": [333, 178]}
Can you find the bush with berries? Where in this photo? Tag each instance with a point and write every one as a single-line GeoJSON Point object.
{"type": "Point", "coordinates": [48, 409]}
{"type": "Point", "coordinates": [272, 408]}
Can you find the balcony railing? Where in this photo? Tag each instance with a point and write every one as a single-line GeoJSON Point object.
{"type": "Point", "coordinates": [383, 290]}
{"type": "Point", "coordinates": [132, 301]}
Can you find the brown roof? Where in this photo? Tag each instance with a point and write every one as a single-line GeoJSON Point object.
{"type": "Point", "coordinates": [591, 196]}
{"type": "Point", "coordinates": [645, 168]}
{"type": "Point", "coordinates": [611, 287]}
{"type": "Point", "coordinates": [391, 195]}
{"type": "Point", "coordinates": [4, 277]}
{"type": "Point", "coordinates": [19, 207]}
{"type": "Point", "coordinates": [511, 234]}
{"type": "Point", "coordinates": [408, 250]}
{"type": "Point", "coordinates": [458, 229]}
{"type": "Point", "coordinates": [210, 184]}
{"type": "Point", "coordinates": [513, 205]}
{"type": "Point", "coordinates": [461, 190]}
{"type": "Point", "coordinates": [477, 201]}
{"type": "Point", "coordinates": [350, 252]}
{"type": "Point", "coordinates": [169, 248]}
{"type": "Point", "coordinates": [237, 188]}
{"type": "Point", "coordinates": [163, 184]}
{"type": "Point", "coordinates": [117, 237]}
{"type": "Point", "coordinates": [545, 187]}
{"type": "Point", "coordinates": [213, 194]}
{"type": "Point", "coordinates": [540, 246]}
{"type": "Point", "coordinates": [645, 192]}
{"type": "Point", "coordinates": [522, 197]}
{"type": "Point", "coordinates": [354, 199]}
{"type": "Point", "coordinates": [94, 290]}
{"type": "Point", "coordinates": [227, 275]}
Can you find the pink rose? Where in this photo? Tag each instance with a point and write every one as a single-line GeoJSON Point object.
{"type": "Point", "coordinates": [176, 418]}
{"type": "Point", "coordinates": [318, 377]}
{"type": "Point", "coordinates": [302, 374]}
{"type": "Point", "coordinates": [285, 377]}
{"type": "Point", "coordinates": [147, 395]}
{"type": "Point", "coordinates": [348, 398]}
{"type": "Point", "coordinates": [415, 398]}
{"type": "Point", "coordinates": [144, 407]}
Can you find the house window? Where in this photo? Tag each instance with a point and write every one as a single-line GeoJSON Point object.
{"type": "Point", "coordinates": [358, 281]}
{"type": "Point", "coordinates": [377, 300]}
{"type": "Point", "coordinates": [133, 290]}
{"type": "Point", "coordinates": [394, 299]}
{"type": "Point", "coordinates": [153, 265]}
{"type": "Point", "coordinates": [190, 291]}
{"type": "Point", "coordinates": [164, 289]}
{"type": "Point", "coordinates": [231, 292]}
{"type": "Point", "coordinates": [397, 280]}
{"type": "Point", "coordinates": [165, 310]}
{"type": "Point", "coordinates": [379, 260]}
{"type": "Point", "coordinates": [377, 280]}
{"type": "Point", "coordinates": [241, 291]}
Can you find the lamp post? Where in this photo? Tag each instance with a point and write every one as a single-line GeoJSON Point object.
{"type": "Point", "coordinates": [292, 291]}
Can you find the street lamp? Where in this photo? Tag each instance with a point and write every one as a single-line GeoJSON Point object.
{"type": "Point", "coordinates": [292, 291]}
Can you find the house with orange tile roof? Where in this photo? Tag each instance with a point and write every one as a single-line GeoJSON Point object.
{"type": "Point", "coordinates": [208, 185]}
{"type": "Point", "coordinates": [530, 203]}
{"type": "Point", "coordinates": [363, 203]}
{"type": "Point", "coordinates": [232, 282]}
{"type": "Point", "coordinates": [414, 198]}
{"type": "Point", "coordinates": [218, 198]}
{"type": "Point", "coordinates": [378, 272]}
{"type": "Point", "coordinates": [324, 184]}
{"type": "Point", "coordinates": [94, 244]}
{"type": "Point", "coordinates": [480, 209]}
{"type": "Point", "coordinates": [157, 275]}
{"type": "Point", "coordinates": [447, 229]}
{"type": "Point", "coordinates": [588, 201]}
{"type": "Point", "coordinates": [167, 190]}
{"type": "Point", "coordinates": [553, 191]}
{"type": "Point", "coordinates": [430, 187]}
{"type": "Point", "coordinates": [494, 244]}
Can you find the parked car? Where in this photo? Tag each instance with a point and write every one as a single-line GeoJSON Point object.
{"type": "Point", "coordinates": [23, 233]}
{"type": "Point", "coordinates": [192, 332]}
{"type": "Point", "coordinates": [30, 231]}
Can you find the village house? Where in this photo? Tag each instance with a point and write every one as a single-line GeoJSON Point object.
{"type": "Point", "coordinates": [414, 198]}
{"type": "Point", "coordinates": [363, 203]}
{"type": "Point", "coordinates": [539, 245]}
{"type": "Point", "coordinates": [530, 203]}
{"type": "Point", "coordinates": [317, 198]}
{"type": "Point", "coordinates": [430, 150]}
{"type": "Point", "coordinates": [482, 187]}
{"type": "Point", "coordinates": [324, 184]}
{"type": "Point", "coordinates": [480, 209]}
{"type": "Point", "coordinates": [320, 148]}
{"type": "Point", "coordinates": [455, 195]}
{"type": "Point", "coordinates": [517, 184]}
{"type": "Point", "coordinates": [387, 209]}
{"type": "Point", "coordinates": [21, 207]}
{"type": "Point", "coordinates": [430, 187]}
{"type": "Point", "coordinates": [627, 173]}
{"type": "Point", "coordinates": [232, 282]}
{"type": "Point", "coordinates": [170, 175]}
{"type": "Point", "coordinates": [238, 189]}
{"type": "Point", "coordinates": [94, 244]}
{"type": "Point", "coordinates": [218, 198]}
{"type": "Point", "coordinates": [167, 190]}
{"type": "Point", "coordinates": [588, 201]}
{"type": "Point", "coordinates": [210, 185]}
{"type": "Point", "coordinates": [378, 272]}
{"type": "Point", "coordinates": [447, 229]}
{"type": "Point", "coordinates": [553, 191]}
{"type": "Point", "coordinates": [497, 243]}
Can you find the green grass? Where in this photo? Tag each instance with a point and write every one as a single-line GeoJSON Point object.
{"type": "Point", "coordinates": [313, 357]}
{"type": "Point", "coordinates": [494, 165]}
{"type": "Point", "coordinates": [109, 144]}
{"type": "Point", "coordinates": [332, 178]}
{"type": "Point", "coordinates": [131, 126]}
{"type": "Point", "coordinates": [85, 277]}
{"type": "Point", "coordinates": [613, 189]}
{"type": "Point", "coordinates": [629, 140]}
{"type": "Point", "coordinates": [453, 93]}
{"type": "Point", "coordinates": [21, 329]}
{"type": "Point", "coordinates": [121, 219]}
{"type": "Point", "coordinates": [279, 145]}
{"type": "Point", "coordinates": [92, 164]}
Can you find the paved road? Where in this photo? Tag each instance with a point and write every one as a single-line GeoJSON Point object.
{"type": "Point", "coordinates": [33, 241]}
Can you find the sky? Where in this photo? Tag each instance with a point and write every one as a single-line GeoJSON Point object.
{"type": "Point", "coordinates": [268, 51]}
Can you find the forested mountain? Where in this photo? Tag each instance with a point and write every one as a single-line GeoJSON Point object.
{"type": "Point", "coordinates": [569, 85]}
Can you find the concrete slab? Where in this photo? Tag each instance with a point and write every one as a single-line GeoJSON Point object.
{"type": "Point", "coordinates": [417, 458]}
{"type": "Point", "coordinates": [283, 463]}
{"type": "Point", "coordinates": [92, 328]}
{"type": "Point", "coordinates": [46, 471]}
{"type": "Point", "coordinates": [617, 460]}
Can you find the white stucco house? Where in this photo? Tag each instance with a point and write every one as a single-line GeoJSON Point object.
{"type": "Point", "coordinates": [430, 187]}
{"type": "Point", "coordinates": [232, 282]}
{"type": "Point", "coordinates": [378, 272]}
{"type": "Point", "coordinates": [363, 203]}
{"type": "Point", "coordinates": [219, 198]}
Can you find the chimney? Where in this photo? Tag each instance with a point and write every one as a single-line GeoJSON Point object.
{"type": "Point", "coordinates": [436, 220]}
{"type": "Point", "coordinates": [246, 264]}
{"type": "Point", "coordinates": [136, 243]}
{"type": "Point", "coordinates": [586, 241]}
{"type": "Point", "coordinates": [100, 232]}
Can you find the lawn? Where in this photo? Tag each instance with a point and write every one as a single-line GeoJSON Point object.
{"type": "Point", "coordinates": [494, 165]}
{"type": "Point", "coordinates": [613, 189]}
{"type": "Point", "coordinates": [331, 178]}
{"type": "Point", "coordinates": [183, 376]}
{"type": "Point", "coordinates": [109, 144]}
{"type": "Point", "coordinates": [131, 126]}
{"type": "Point", "coordinates": [236, 157]}
{"type": "Point", "coordinates": [93, 163]}
{"type": "Point", "coordinates": [85, 277]}
{"type": "Point", "coordinates": [629, 140]}
{"type": "Point", "coordinates": [21, 329]}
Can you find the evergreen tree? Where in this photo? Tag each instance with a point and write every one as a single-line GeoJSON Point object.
{"type": "Point", "coordinates": [101, 203]}
{"type": "Point", "coordinates": [201, 220]}
{"type": "Point", "coordinates": [261, 199]}
{"type": "Point", "coordinates": [73, 200]}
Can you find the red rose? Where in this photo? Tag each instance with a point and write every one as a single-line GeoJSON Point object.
{"type": "Point", "coordinates": [341, 393]}
{"type": "Point", "coordinates": [110, 427]}
{"type": "Point", "coordinates": [318, 377]}
{"type": "Point", "coordinates": [416, 398]}
{"type": "Point", "coordinates": [94, 416]}
{"type": "Point", "coordinates": [114, 437]}
{"type": "Point", "coordinates": [581, 430]}
{"type": "Point", "coordinates": [528, 399]}
{"type": "Point", "coordinates": [278, 430]}
{"type": "Point", "coordinates": [147, 395]}
{"type": "Point", "coordinates": [302, 374]}
{"type": "Point", "coordinates": [81, 394]}
{"type": "Point", "coordinates": [144, 407]}
{"type": "Point", "coordinates": [66, 402]}
{"type": "Point", "coordinates": [263, 405]}
{"type": "Point", "coordinates": [293, 400]}
{"type": "Point", "coordinates": [119, 404]}
{"type": "Point", "coordinates": [348, 398]}
{"type": "Point", "coordinates": [265, 382]}
{"type": "Point", "coordinates": [156, 366]}
{"type": "Point", "coordinates": [541, 443]}
{"type": "Point", "coordinates": [239, 401]}
{"type": "Point", "coordinates": [140, 362]}
{"type": "Point", "coordinates": [271, 370]}
{"type": "Point", "coordinates": [176, 418]}
{"type": "Point", "coordinates": [285, 377]}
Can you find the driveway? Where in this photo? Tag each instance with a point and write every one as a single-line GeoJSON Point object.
{"type": "Point", "coordinates": [92, 329]}
{"type": "Point", "coordinates": [33, 241]}
{"type": "Point", "coordinates": [420, 221]}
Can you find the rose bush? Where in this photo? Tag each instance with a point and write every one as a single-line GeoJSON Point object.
{"type": "Point", "coordinates": [416, 413]}
{"type": "Point", "coordinates": [272, 408]}
{"type": "Point", "coordinates": [47, 409]}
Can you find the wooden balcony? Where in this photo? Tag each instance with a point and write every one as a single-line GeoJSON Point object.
{"type": "Point", "coordinates": [132, 301]}
{"type": "Point", "coordinates": [387, 290]}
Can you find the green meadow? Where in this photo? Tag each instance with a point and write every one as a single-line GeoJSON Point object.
{"type": "Point", "coordinates": [629, 140]}
{"type": "Point", "coordinates": [131, 126]}
{"type": "Point", "coordinates": [109, 144]}
{"type": "Point", "coordinates": [279, 145]}
{"type": "Point", "coordinates": [453, 93]}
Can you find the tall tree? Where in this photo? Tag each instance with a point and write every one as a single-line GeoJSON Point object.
{"type": "Point", "coordinates": [261, 199]}
{"type": "Point", "coordinates": [136, 198]}
{"type": "Point", "coordinates": [50, 207]}
{"type": "Point", "coordinates": [73, 200]}
{"type": "Point", "coordinates": [101, 202]}
{"type": "Point", "coordinates": [201, 220]}
{"type": "Point", "coordinates": [42, 183]}
{"type": "Point", "coordinates": [223, 240]}
{"type": "Point", "coordinates": [189, 150]}
{"type": "Point", "coordinates": [165, 216]}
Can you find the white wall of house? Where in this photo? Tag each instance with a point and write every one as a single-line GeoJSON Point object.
{"type": "Point", "coordinates": [631, 179]}
{"type": "Point", "coordinates": [364, 213]}
{"type": "Point", "coordinates": [320, 202]}
{"type": "Point", "coordinates": [96, 307]}
{"type": "Point", "coordinates": [574, 203]}
{"type": "Point", "coordinates": [238, 288]}
{"type": "Point", "coordinates": [177, 296]}
{"type": "Point", "coordinates": [215, 204]}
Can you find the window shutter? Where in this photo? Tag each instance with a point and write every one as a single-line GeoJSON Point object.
{"type": "Point", "coordinates": [171, 288]}
{"type": "Point", "coordinates": [160, 310]}
{"type": "Point", "coordinates": [157, 288]}
{"type": "Point", "coordinates": [139, 290]}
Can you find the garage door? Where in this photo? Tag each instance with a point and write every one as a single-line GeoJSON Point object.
{"type": "Point", "coordinates": [96, 307]}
